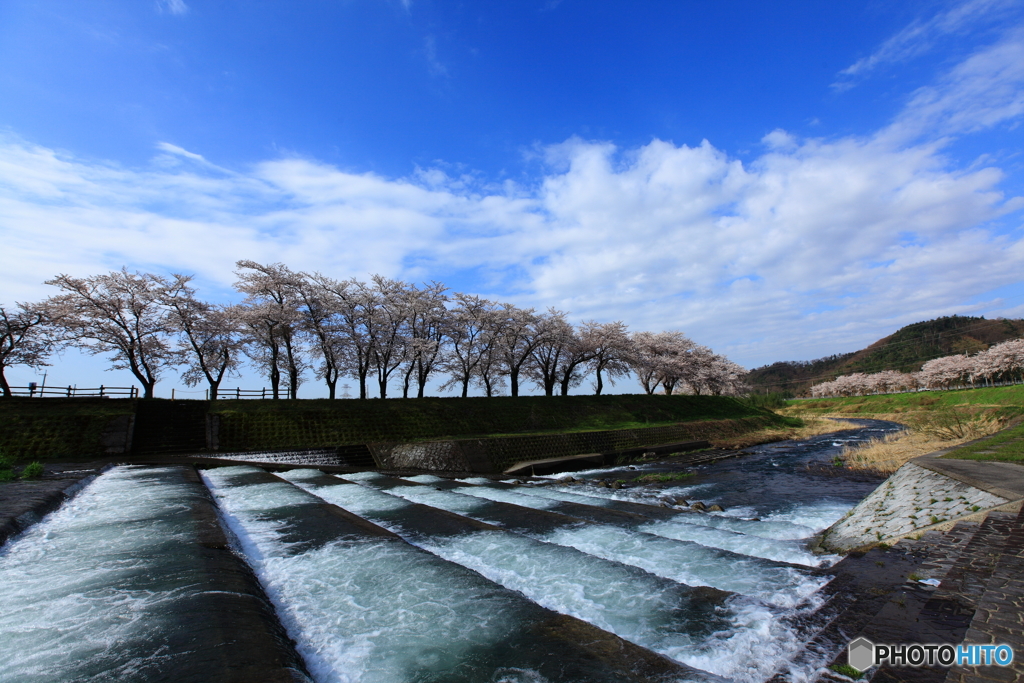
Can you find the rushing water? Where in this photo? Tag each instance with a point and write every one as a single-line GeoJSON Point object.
{"type": "Point", "coordinates": [101, 589]}
{"type": "Point", "coordinates": [426, 579]}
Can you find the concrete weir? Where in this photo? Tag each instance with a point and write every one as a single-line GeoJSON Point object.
{"type": "Point", "coordinates": [139, 587]}
{"type": "Point", "coordinates": [416, 616]}
{"type": "Point", "coordinates": [927, 493]}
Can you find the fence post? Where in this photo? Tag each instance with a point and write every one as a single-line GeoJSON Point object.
{"type": "Point", "coordinates": [238, 393]}
{"type": "Point", "coordinates": [101, 391]}
{"type": "Point", "coordinates": [172, 393]}
{"type": "Point", "coordinates": [69, 391]}
{"type": "Point", "coordinates": [263, 394]}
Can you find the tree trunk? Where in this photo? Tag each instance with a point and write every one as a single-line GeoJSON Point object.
{"type": "Point", "coordinates": [421, 380]}
{"type": "Point", "coordinates": [513, 380]}
{"type": "Point", "coordinates": [406, 381]}
{"type": "Point", "coordinates": [600, 384]}
{"type": "Point", "coordinates": [4, 385]}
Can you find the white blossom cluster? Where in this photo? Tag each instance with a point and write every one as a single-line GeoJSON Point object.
{"type": "Point", "coordinates": [1002, 362]}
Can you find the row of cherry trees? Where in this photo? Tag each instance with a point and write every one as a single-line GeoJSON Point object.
{"type": "Point", "coordinates": [384, 331]}
{"type": "Point", "coordinates": [1000, 363]}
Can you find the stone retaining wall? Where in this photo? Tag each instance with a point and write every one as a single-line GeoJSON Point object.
{"type": "Point", "coordinates": [912, 500]}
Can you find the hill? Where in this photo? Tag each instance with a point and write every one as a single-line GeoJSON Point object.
{"type": "Point", "coordinates": [904, 350]}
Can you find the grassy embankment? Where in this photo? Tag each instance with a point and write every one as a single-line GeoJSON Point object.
{"type": "Point", "coordinates": [73, 428]}
{"type": "Point", "coordinates": [935, 420]}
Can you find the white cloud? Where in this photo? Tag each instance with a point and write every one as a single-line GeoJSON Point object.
{"type": "Point", "coordinates": [815, 247]}
{"type": "Point", "coordinates": [920, 36]}
{"type": "Point", "coordinates": [984, 90]}
{"type": "Point", "coordinates": [434, 64]}
{"type": "Point", "coordinates": [172, 6]}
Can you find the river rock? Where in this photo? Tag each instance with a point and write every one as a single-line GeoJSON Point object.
{"type": "Point", "coordinates": [716, 508]}
{"type": "Point", "coordinates": [617, 485]}
{"type": "Point", "coordinates": [699, 506]}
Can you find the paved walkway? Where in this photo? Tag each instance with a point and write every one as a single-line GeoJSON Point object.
{"type": "Point", "coordinates": [1004, 479]}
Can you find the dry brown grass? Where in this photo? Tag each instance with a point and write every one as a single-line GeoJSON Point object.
{"type": "Point", "coordinates": [925, 434]}
{"type": "Point", "coordinates": [813, 426]}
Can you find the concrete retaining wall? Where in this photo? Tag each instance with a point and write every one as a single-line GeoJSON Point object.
{"type": "Point", "coordinates": [912, 500]}
{"type": "Point", "coordinates": [498, 453]}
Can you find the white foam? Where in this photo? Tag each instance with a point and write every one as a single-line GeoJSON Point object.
{"type": "Point", "coordinates": [692, 564]}
{"type": "Point", "coordinates": [366, 611]}
{"type": "Point", "coordinates": [83, 591]}
{"type": "Point", "coordinates": [771, 528]}
{"type": "Point", "coordinates": [683, 562]}
{"type": "Point", "coordinates": [793, 552]}
{"type": "Point", "coordinates": [628, 603]}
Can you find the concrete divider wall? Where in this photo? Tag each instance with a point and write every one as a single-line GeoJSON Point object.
{"type": "Point", "coordinates": [498, 453]}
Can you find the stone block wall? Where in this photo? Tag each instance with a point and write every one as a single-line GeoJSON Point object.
{"type": "Point", "coordinates": [912, 499]}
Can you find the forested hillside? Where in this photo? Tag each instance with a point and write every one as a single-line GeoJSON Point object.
{"type": "Point", "coordinates": [905, 350]}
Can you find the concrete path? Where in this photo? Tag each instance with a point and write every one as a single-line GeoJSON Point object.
{"type": "Point", "coordinates": [1004, 479]}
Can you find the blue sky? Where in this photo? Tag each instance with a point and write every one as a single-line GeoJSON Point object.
{"type": "Point", "coordinates": [779, 180]}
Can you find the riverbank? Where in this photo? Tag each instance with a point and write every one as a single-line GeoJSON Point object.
{"type": "Point", "coordinates": [934, 420]}
{"type": "Point", "coordinates": [54, 428]}
{"type": "Point", "coordinates": [933, 492]}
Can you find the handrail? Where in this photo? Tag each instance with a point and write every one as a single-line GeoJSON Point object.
{"type": "Point", "coordinates": [75, 392]}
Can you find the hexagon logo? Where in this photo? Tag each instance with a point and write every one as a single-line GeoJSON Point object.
{"type": "Point", "coordinates": [860, 654]}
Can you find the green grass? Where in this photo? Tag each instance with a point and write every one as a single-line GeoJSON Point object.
{"type": "Point", "coordinates": [1006, 402]}
{"type": "Point", "coordinates": [1006, 446]}
{"type": "Point", "coordinates": [847, 670]}
{"type": "Point", "coordinates": [32, 470]}
{"type": "Point", "coordinates": [668, 476]}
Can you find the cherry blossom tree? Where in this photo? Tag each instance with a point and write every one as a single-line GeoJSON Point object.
{"type": "Point", "coordinates": [469, 329]}
{"type": "Point", "coordinates": [611, 349]}
{"type": "Point", "coordinates": [555, 339]}
{"type": "Point", "coordinates": [427, 326]}
{"type": "Point", "coordinates": [517, 335]}
{"type": "Point", "coordinates": [946, 372]}
{"type": "Point", "coordinates": [716, 375]}
{"type": "Point", "coordinates": [663, 358]}
{"type": "Point", "coordinates": [1001, 362]}
{"type": "Point", "coordinates": [272, 318]}
{"type": "Point", "coordinates": [22, 339]}
{"type": "Point", "coordinates": [210, 335]}
{"type": "Point", "coordinates": [387, 306]}
{"type": "Point", "coordinates": [120, 313]}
